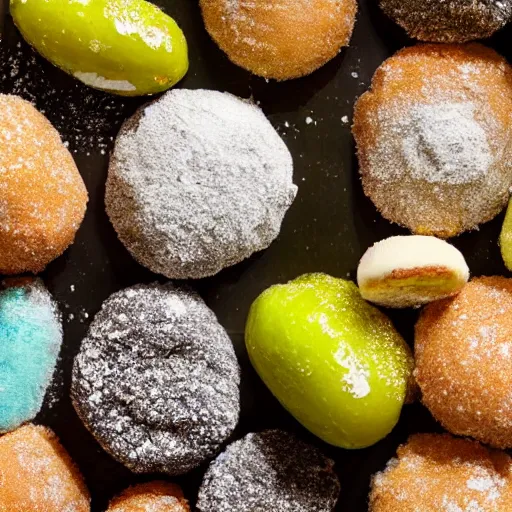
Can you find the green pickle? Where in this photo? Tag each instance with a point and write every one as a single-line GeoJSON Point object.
{"type": "Point", "coordinates": [126, 47]}
{"type": "Point", "coordinates": [506, 238]}
{"type": "Point", "coordinates": [334, 362]}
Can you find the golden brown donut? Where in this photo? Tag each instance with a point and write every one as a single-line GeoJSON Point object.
{"type": "Point", "coordinates": [38, 475]}
{"type": "Point", "coordinates": [463, 352]}
{"type": "Point", "coordinates": [150, 497]}
{"type": "Point", "coordinates": [440, 473]}
{"type": "Point", "coordinates": [42, 195]}
{"type": "Point", "coordinates": [433, 137]}
{"type": "Point", "coordinates": [280, 39]}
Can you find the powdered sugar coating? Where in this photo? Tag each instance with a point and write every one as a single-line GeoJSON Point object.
{"type": "Point", "coordinates": [440, 473]}
{"type": "Point", "coordinates": [433, 138]}
{"type": "Point", "coordinates": [271, 470]}
{"type": "Point", "coordinates": [280, 39]}
{"type": "Point", "coordinates": [463, 353]}
{"type": "Point", "coordinates": [453, 21]}
{"type": "Point", "coordinates": [157, 496]}
{"type": "Point", "coordinates": [30, 341]}
{"type": "Point", "coordinates": [156, 379]}
{"type": "Point", "coordinates": [42, 195]}
{"type": "Point", "coordinates": [38, 475]}
{"type": "Point", "coordinates": [198, 181]}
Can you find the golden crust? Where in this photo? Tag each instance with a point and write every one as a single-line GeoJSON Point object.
{"type": "Point", "coordinates": [155, 496]}
{"type": "Point", "coordinates": [413, 286]}
{"type": "Point", "coordinates": [463, 354]}
{"type": "Point", "coordinates": [437, 472]}
{"type": "Point", "coordinates": [38, 475]}
{"type": "Point", "coordinates": [429, 74]}
{"type": "Point", "coordinates": [42, 195]}
{"type": "Point", "coordinates": [280, 39]}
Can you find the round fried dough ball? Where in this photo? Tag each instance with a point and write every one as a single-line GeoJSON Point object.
{"type": "Point", "coordinates": [463, 352]}
{"type": "Point", "coordinates": [440, 473]}
{"type": "Point", "coordinates": [280, 39]}
{"type": "Point", "coordinates": [155, 496]}
{"type": "Point", "coordinates": [42, 195]}
{"type": "Point", "coordinates": [38, 475]}
{"type": "Point", "coordinates": [456, 21]}
{"type": "Point", "coordinates": [433, 137]}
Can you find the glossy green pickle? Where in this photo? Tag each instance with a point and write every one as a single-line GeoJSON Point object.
{"type": "Point", "coordinates": [126, 47]}
{"type": "Point", "coordinates": [334, 361]}
{"type": "Point", "coordinates": [506, 238]}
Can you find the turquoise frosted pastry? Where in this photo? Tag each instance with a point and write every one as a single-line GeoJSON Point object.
{"type": "Point", "coordinates": [30, 340]}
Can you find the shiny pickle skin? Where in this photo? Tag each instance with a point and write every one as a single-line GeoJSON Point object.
{"type": "Point", "coordinates": [506, 238]}
{"type": "Point", "coordinates": [335, 362]}
{"type": "Point", "coordinates": [133, 45]}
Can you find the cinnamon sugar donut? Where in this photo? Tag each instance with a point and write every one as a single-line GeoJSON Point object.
{"type": "Point", "coordinates": [463, 353]}
{"type": "Point", "coordinates": [440, 473]}
{"type": "Point", "coordinates": [42, 195]}
{"type": "Point", "coordinates": [280, 39]}
{"type": "Point", "coordinates": [37, 474]}
{"type": "Point", "coordinates": [155, 496]}
{"type": "Point", "coordinates": [433, 137]}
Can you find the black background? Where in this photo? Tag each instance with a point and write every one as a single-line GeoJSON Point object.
{"type": "Point", "coordinates": [327, 229]}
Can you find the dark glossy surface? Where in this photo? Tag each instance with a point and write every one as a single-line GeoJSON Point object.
{"type": "Point", "coordinates": [328, 228]}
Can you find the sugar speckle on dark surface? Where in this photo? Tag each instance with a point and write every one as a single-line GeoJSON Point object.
{"type": "Point", "coordinates": [270, 470]}
{"type": "Point", "coordinates": [85, 118]}
{"type": "Point", "coordinates": [156, 380]}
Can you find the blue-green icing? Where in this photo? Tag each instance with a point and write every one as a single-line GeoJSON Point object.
{"type": "Point", "coordinates": [30, 340]}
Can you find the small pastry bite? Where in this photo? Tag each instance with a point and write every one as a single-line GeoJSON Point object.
{"type": "Point", "coordinates": [42, 194]}
{"type": "Point", "coordinates": [440, 473]}
{"type": "Point", "coordinates": [433, 138]}
{"type": "Point", "coordinates": [155, 496]}
{"type": "Point", "coordinates": [463, 354]}
{"type": "Point", "coordinates": [30, 341]}
{"type": "Point", "coordinates": [333, 361]}
{"type": "Point", "coordinates": [454, 21]}
{"type": "Point", "coordinates": [269, 471]}
{"type": "Point", "coordinates": [280, 39]}
{"type": "Point", "coordinates": [156, 380]}
{"type": "Point", "coordinates": [38, 475]}
{"type": "Point", "coordinates": [198, 181]}
{"type": "Point", "coordinates": [408, 271]}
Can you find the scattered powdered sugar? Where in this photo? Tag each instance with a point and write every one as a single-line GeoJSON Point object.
{"type": "Point", "coordinates": [199, 180]}
{"type": "Point", "coordinates": [443, 143]}
{"type": "Point", "coordinates": [269, 471]}
{"type": "Point", "coordinates": [86, 119]}
{"type": "Point", "coordinates": [156, 380]}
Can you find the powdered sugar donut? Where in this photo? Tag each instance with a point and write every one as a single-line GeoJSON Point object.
{"type": "Point", "coordinates": [38, 474]}
{"type": "Point", "coordinates": [463, 354]}
{"type": "Point", "coordinates": [438, 472]}
{"type": "Point", "coordinates": [198, 181]}
{"type": "Point", "coordinates": [156, 380]}
{"type": "Point", "coordinates": [280, 39]}
{"type": "Point", "coordinates": [433, 138]}
{"type": "Point", "coordinates": [269, 471]}
{"type": "Point", "coordinates": [155, 496]}
{"type": "Point", "coordinates": [405, 271]}
{"type": "Point", "coordinates": [456, 21]}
